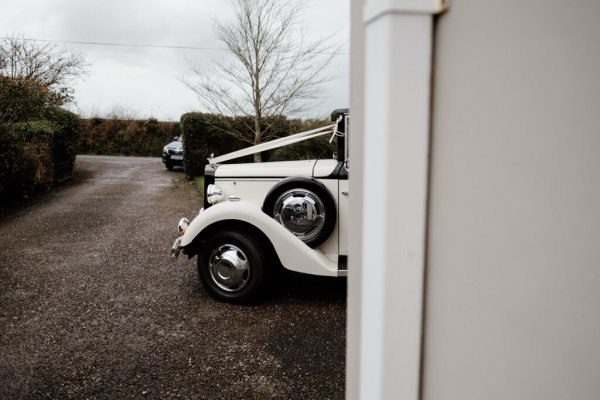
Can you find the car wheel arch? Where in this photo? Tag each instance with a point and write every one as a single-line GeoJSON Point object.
{"type": "Point", "coordinates": [229, 225]}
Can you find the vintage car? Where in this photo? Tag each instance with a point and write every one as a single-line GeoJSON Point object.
{"type": "Point", "coordinates": [261, 216]}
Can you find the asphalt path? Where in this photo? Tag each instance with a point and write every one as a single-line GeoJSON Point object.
{"type": "Point", "coordinates": [92, 307]}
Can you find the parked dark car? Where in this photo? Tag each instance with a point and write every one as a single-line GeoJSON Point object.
{"type": "Point", "coordinates": [172, 154]}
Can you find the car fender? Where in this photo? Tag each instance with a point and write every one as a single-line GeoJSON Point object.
{"type": "Point", "coordinates": [294, 254]}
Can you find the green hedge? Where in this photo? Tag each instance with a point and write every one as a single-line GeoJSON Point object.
{"type": "Point", "coordinates": [37, 140]}
{"type": "Point", "coordinates": [24, 99]}
{"type": "Point", "coordinates": [67, 140]}
{"type": "Point", "coordinates": [206, 134]}
{"type": "Point", "coordinates": [203, 135]}
{"type": "Point", "coordinates": [33, 150]}
{"type": "Point", "coordinates": [317, 148]}
{"type": "Point", "coordinates": [17, 167]}
{"type": "Point", "coordinates": [114, 136]}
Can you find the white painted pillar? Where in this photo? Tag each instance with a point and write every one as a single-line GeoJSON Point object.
{"type": "Point", "coordinates": [398, 48]}
{"type": "Point", "coordinates": [356, 183]}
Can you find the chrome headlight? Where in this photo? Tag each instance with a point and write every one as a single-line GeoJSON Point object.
{"type": "Point", "coordinates": [213, 194]}
{"type": "Point", "coordinates": [182, 226]}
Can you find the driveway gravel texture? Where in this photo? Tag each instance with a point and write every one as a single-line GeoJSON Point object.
{"type": "Point", "coordinates": [92, 307]}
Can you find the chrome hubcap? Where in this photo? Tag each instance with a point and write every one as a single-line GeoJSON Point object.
{"type": "Point", "coordinates": [229, 268]}
{"type": "Point", "coordinates": [301, 212]}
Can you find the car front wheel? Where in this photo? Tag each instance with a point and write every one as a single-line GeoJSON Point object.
{"type": "Point", "coordinates": [232, 266]}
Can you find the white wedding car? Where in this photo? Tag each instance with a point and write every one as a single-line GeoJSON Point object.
{"type": "Point", "coordinates": [260, 216]}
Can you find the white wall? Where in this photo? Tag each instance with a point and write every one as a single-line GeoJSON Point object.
{"type": "Point", "coordinates": [513, 273]}
{"type": "Point", "coordinates": [392, 60]}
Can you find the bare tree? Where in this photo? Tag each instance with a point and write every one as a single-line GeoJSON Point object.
{"type": "Point", "coordinates": [273, 72]}
{"type": "Point", "coordinates": [33, 76]}
{"type": "Point", "coordinates": [45, 63]}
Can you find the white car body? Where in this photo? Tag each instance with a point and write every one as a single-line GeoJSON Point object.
{"type": "Point", "coordinates": [241, 196]}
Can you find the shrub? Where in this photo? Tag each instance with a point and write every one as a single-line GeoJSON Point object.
{"type": "Point", "coordinates": [36, 137]}
{"type": "Point", "coordinates": [66, 141]}
{"type": "Point", "coordinates": [202, 136]}
{"type": "Point", "coordinates": [37, 153]}
{"type": "Point", "coordinates": [116, 136]}
{"type": "Point", "coordinates": [24, 99]}
{"type": "Point", "coordinates": [27, 162]}
{"type": "Point", "coordinates": [317, 148]}
{"type": "Point", "coordinates": [206, 134]}
{"type": "Point", "coordinates": [312, 149]}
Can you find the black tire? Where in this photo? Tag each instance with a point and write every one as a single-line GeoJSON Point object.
{"type": "Point", "coordinates": [303, 192]}
{"type": "Point", "coordinates": [169, 166]}
{"type": "Point", "coordinates": [232, 266]}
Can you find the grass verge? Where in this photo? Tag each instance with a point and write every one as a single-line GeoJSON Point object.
{"type": "Point", "coordinates": [199, 180]}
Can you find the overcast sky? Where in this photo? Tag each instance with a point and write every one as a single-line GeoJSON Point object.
{"type": "Point", "coordinates": [145, 81]}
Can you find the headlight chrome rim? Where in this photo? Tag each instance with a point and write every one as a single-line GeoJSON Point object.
{"type": "Point", "coordinates": [214, 193]}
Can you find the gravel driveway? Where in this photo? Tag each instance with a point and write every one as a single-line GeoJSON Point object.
{"type": "Point", "coordinates": [91, 306]}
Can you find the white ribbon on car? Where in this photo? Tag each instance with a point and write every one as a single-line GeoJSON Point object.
{"type": "Point", "coordinates": [336, 132]}
{"type": "Point", "coordinates": [273, 144]}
